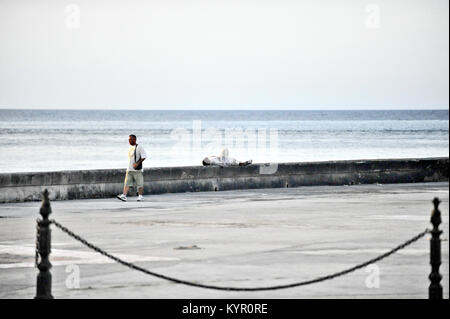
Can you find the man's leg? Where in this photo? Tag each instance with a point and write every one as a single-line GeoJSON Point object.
{"type": "Point", "coordinates": [129, 181]}
{"type": "Point", "coordinates": [234, 162]}
{"type": "Point", "coordinates": [140, 184]}
{"type": "Point", "coordinates": [126, 187]}
{"type": "Point", "coordinates": [245, 163]}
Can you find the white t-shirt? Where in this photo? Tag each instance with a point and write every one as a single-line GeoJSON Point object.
{"type": "Point", "coordinates": [140, 153]}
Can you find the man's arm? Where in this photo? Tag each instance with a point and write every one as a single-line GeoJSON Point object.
{"type": "Point", "coordinates": [138, 162]}
{"type": "Point", "coordinates": [142, 155]}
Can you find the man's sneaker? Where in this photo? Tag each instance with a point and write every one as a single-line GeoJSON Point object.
{"type": "Point", "coordinates": [140, 198]}
{"type": "Point", "coordinates": [122, 197]}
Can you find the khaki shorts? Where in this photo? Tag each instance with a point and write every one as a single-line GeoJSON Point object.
{"type": "Point", "coordinates": [133, 178]}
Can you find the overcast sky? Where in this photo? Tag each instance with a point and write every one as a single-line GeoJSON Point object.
{"type": "Point", "coordinates": [226, 54]}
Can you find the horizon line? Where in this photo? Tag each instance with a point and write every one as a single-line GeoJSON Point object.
{"type": "Point", "coordinates": [231, 109]}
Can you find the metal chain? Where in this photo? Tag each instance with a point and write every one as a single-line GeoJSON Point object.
{"type": "Point", "coordinates": [36, 257]}
{"type": "Point", "coordinates": [189, 283]}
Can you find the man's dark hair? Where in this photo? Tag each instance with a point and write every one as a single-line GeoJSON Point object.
{"type": "Point", "coordinates": [132, 135]}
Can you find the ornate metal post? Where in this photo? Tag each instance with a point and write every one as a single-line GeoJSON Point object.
{"type": "Point", "coordinates": [435, 288]}
{"type": "Point", "coordinates": [44, 278]}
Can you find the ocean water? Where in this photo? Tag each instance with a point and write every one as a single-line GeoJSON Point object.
{"type": "Point", "coordinates": [48, 140]}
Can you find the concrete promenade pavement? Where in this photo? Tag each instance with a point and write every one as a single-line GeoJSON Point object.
{"type": "Point", "coordinates": [241, 238]}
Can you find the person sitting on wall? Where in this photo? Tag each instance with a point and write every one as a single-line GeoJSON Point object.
{"type": "Point", "coordinates": [224, 160]}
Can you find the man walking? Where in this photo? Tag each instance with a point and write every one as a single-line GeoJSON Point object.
{"type": "Point", "coordinates": [135, 174]}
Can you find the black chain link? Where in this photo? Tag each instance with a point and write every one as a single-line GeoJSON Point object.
{"type": "Point", "coordinates": [189, 283]}
{"type": "Point", "coordinates": [36, 257]}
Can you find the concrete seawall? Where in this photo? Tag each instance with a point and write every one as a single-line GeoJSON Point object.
{"type": "Point", "coordinates": [20, 187]}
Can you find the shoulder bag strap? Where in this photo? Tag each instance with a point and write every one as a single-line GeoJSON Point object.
{"type": "Point", "coordinates": [135, 148]}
